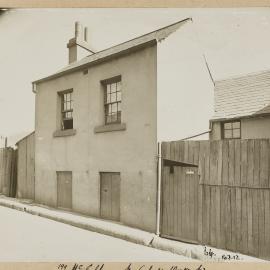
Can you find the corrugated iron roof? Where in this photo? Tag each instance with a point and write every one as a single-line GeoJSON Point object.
{"type": "Point", "coordinates": [157, 35]}
{"type": "Point", "coordinates": [242, 96]}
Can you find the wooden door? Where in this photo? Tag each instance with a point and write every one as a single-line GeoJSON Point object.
{"type": "Point", "coordinates": [110, 196]}
{"type": "Point", "coordinates": [64, 190]}
{"type": "Point", "coordinates": [179, 217]}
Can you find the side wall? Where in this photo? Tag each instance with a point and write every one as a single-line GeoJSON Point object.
{"type": "Point", "coordinates": [256, 128]}
{"type": "Point", "coordinates": [26, 168]}
{"type": "Point", "coordinates": [132, 152]}
{"type": "Point", "coordinates": [251, 128]}
{"type": "Point", "coordinates": [185, 90]}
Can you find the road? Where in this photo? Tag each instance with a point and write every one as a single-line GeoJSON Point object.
{"type": "Point", "coordinates": [25, 237]}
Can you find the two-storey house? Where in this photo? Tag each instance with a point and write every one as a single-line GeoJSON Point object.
{"type": "Point", "coordinates": [96, 128]}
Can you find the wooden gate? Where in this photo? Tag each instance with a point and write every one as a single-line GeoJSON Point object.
{"type": "Point", "coordinates": [110, 195]}
{"type": "Point", "coordinates": [64, 190]}
{"type": "Point", "coordinates": [180, 203]}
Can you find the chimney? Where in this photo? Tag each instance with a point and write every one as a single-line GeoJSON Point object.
{"type": "Point", "coordinates": [78, 30]}
{"type": "Point", "coordinates": [79, 42]}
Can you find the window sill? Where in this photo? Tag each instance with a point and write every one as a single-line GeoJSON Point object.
{"type": "Point", "coordinates": [64, 133]}
{"type": "Point", "coordinates": [109, 128]}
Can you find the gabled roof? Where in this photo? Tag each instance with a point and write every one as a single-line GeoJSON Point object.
{"type": "Point", "coordinates": [127, 46]}
{"type": "Point", "coordinates": [24, 137]}
{"type": "Point", "coordinates": [242, 96]}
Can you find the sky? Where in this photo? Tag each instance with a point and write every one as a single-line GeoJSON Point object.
{"type": "Point", "coordinates": [33, 45]}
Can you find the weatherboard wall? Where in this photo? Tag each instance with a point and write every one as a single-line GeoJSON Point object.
{"type": "Point", "coordinates": [185, 90]}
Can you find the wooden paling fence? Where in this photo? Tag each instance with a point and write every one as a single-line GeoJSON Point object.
{"type": "Point", "coordinates": [8, 171]}
{"type": "Point", "coordinates": [225, 200]}
{"type": "Point", "coordinates": [26, 167]}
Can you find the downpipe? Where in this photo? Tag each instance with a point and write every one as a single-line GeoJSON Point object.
{"type": "Point", "coordinates": [158, 189]}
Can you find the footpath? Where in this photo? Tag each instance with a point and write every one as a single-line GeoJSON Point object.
{"type": "Point", "coordinates": [192, 251]}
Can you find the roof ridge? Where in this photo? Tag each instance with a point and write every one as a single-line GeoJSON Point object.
{"type": "Point", "coordinates": [243, 75]}
{"type": "Point", "coordinates": [146, 34]}
{"type": "Point", "coordinates": [156, 35]}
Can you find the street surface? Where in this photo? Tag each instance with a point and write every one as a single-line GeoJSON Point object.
{"type": "Point", "coordinates": [25, 237]}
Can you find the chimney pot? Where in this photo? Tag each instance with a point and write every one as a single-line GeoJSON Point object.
{"type": "Point", "coordinates": [78, 43]}
{"type": "Point", "coordinates": [78, 30]}
{"type": "Point", "coordinates": [85, 34]}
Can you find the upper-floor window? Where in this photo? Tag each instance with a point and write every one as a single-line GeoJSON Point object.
{"type": "Point", "coordinates": [66, 109]}
{"type": "Point", "coordinates": [232, 130]}
{"type": "Point", "coordinates": [112, 100]}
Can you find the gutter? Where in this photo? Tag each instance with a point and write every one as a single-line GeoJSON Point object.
{"type": "Point", "coordinates": [239, 117]}
{"type": "Point", "coordinates": [34, 87]}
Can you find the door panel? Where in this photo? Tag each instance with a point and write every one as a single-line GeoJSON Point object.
{"type": "Point", "coordinates": [179, 203]}
{"type": "Point", "coordinates": [64, 189]}
{"type": "Point", "coordinates": [110, 196]}
{"type": "Point", "coordinates": [115, 184]}
{"type": "Point", "coordinates": [105, 208]}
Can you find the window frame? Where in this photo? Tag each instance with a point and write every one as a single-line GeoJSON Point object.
{"type": "Point", "coordinates": [62, 94]}
{"type": "Point", "coordinates": [231, 122]}
{"type": "Point", "coordinates": [106, 104]}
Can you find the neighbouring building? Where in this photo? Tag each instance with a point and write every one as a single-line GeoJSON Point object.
{"type": "Point", "coordinates": [96, 127]}
{"type": "Point", "coordinates": [25, 187]}
{"type": "Point", "coordinates": [242, 107]}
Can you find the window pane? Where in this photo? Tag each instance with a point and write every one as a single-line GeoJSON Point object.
{"type": "Point", "coordinates": [119, 116]}
{"type": "Point", "coordinates": [236, 124]}
{"type": "Point", "coordinates": [68, 124]}
{"type": "Point", "coordinates": [108, 88]}
{"type": "Point", "coordinates": [113, 87]}
{"type": "Point", "coordinates": [118, 86]}
{"type": "Point", "coordinates": [227, 125]}
{"type": "Point", "coordinates": [119, 96]}
{"type": "Point", "coordinates": [113, 97]}
{"type": "Point", "coordinates": [227, 134]}
{"type": "Point", "coordinates": [236, 133]}
{"type": "Point", "coordinates": [108, 119]}
{"type": "Point", "coordinates": [119, 106]}
{"type": "Point", "coordinates": [109, 109]}
{"type": "Point", "coordinates": [114, 107]}
{"type": "Point", "coordinates": [108, 100]}
{"type": "Point", "coordinates": [114, 117]}
{"type": "Point", "coordinates": [106, 109]}
{"type": "Point", "coordinates": [67, 115]}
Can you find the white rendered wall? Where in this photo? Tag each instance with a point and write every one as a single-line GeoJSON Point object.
{"type": "Point", "coordinates": [185, 91]}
